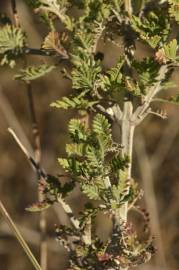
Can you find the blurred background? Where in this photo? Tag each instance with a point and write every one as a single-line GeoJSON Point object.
{"type": "Point", "coordinates": [156, 161]}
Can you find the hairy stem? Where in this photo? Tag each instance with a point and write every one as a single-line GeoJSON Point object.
{"type": "Point", "coordinates": [127, 135]}
{"type": "Point", "coordinates": [19, 237]}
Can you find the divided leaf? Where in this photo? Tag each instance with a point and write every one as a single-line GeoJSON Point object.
{"type": "Point", "coordinates": [153, 29]}
{"type": "Point", "coordinates": [170, 50]}
{"type": "Point", "coordinates": [101, 125]}
{"type": "Point", "coordinates": [11, 39]}
{"type": "Point", "coordinates": [91, 192]}
{"type": "Point", "coordinates": [77, 131]}
{"type": "Point", "coordinates": [73, 103]}
{"type": "Point", "coordinates": [12, 42]}
{"type": "Point", "coordinates": [34, 72]}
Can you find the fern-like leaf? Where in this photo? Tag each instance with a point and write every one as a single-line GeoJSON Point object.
{"type": "Point", "coordinates": [170, 50]}
{"type": "Point", "coordinates": [34, 72]}
{"type": "Point", "coordinates": [77, 130]}
{"type": "Point", "coordinates": [91, 192]}
{"type": "Point", "coordinates": [101, 125]}
{"type": "Point", "coordinates": [152, 29]}
{"type": "Point", "coordinates": [11, 39]}
{"type": "Point", "coordinates": [73, 103]}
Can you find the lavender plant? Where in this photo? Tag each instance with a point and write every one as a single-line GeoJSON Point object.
{"type": "Point", "coordinates": [123, 94]}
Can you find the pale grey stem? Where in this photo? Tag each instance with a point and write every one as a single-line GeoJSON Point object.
{"type": "Point", "coordinates": [65, 206]}
{"type": "Point", "coordinates": [127, 135]}
{"type": "Point", "coordinates": [139, 114]}
{"type": "Point", "coordinates": [69, 212]}
{"type": "Point", "coordinates": [75, 222]}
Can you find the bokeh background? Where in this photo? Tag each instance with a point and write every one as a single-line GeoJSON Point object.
{"type": "Point", "coordinates": [156, 160]}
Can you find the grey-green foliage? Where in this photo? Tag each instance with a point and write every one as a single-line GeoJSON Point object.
{"type": "Point", "coordinates": [33, 72]}
{"type": "Point", "coordinates": [12, 42]}
{"type": "Point", "coordinates": [94, 160]}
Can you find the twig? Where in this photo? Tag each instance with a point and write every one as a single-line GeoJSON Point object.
{"type": "Point", "coordinates": [44, 176]}
{"type": "Point", "coordinates": [42, 52]}
{"type": "Point", "coordinates": [37, 152]}
{"type": "Point", "coordinates": [75, 222]}
{"type": "Point", "coordinates": [162, 115]}
{"type": "Point", "coordinates": [19, 237]}
{"type": "Point", "coordinates": [31, 160]}
{"type": "Point", "coordinates": [152, 92]}
{"type": "Point", "coordinates": [35, 130]}
{"type": "Point", "coordinates": [15, 14]}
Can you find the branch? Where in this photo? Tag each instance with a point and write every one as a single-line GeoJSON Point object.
{"type": "Point", "coordinates": [15, 14]}
{"type": "Point", "coordinates": [161, 114]}
{"type": "Point", "coordinates": [139, 114]}
{"type": "Point", "coordinates": [37, 150]}
{"type": "Point", "coordinates": [44, 176]}
{"type": "Point", "coordinates": [31, 160]}
{"type": "Point", "coordinates": [44, 52]}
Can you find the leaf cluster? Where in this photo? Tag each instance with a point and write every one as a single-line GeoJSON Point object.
{"type": "Point", "coordinates": [95, 161]}
{"type": "Point", "coordinates": [12, 42]}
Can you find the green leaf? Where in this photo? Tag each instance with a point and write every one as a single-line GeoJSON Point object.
{"type": "Point", "coordinates": [34, 72]}
{"type": "Point", "coordinates": [12, 43]}
{"type": "Point", "coordinates": [113, 78]}
{"type": "Point", "coordinates": [153, 29]}
{"type": "Point", "coordinates": [91, 192]}
{"type": "Point", "coordinates": [101, 125]}
{"type": "Point", "coordinates": [118, 162]}
{"type": "Point", "coordinates": [147, 72]}
{"type": "Point", "coordinates": [84, 39]}
{"type": "Point", "coordinates": [94, 158]}
{"type": "Point", "coordinates": [77, 130]}
{"type": "Point", "coordinates": [11, 39]}
{"type": "Point", "coordinates": [85, 73]}
{"type": "Point", "coordinates": [74, 103]}
{"type": "Point", "coordinates": [64, 163]}
{"type": "Point", "coordinates": [170, 50]}
{"type": "Point", "coordinates": [75, 149]}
